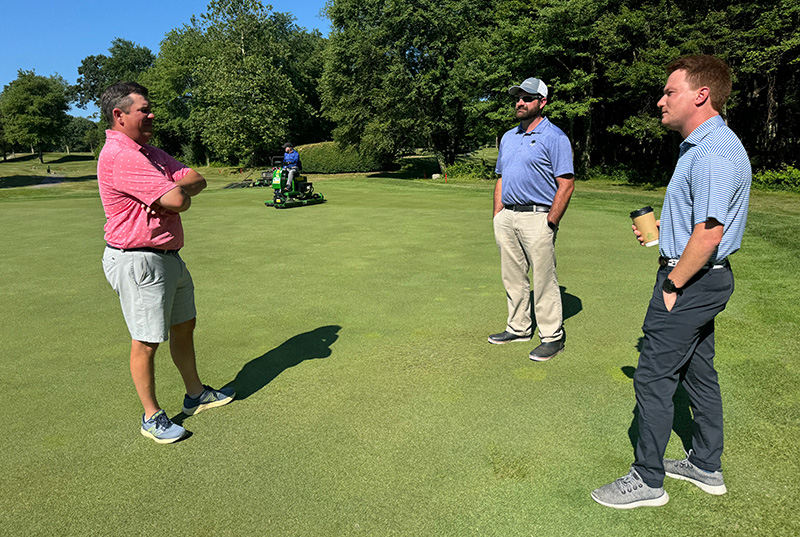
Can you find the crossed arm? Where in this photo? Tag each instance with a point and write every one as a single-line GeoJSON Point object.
{"type": "Point", "coordinates": [179, 199]}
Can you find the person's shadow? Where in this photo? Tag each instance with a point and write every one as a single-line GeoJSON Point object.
{"type": "Point", "coordinates": [682, 422]}
{"type": "Point", "coordinates": [571, 305]}
{"type": "Point", "coordinates": [260, 371]}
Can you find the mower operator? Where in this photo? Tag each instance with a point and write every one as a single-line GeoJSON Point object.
{"type": "Point", "coordinates": [143, 190]}
{"type": "Point", "coordinates": [291, 162]}
{"type": "Point", "coordinates": [530, 198]}
{"type": "Point", "coordinates": [703, 219]}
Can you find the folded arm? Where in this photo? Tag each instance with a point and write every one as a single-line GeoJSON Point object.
{"type": "Point", "coordinates": [179, 199]}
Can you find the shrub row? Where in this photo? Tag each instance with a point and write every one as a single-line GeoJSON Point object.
{"type": "Point", "coordinates": [786, 178]}
{"type": "Point", "coordinates": [626, 174]}
{"type": "Point", "coordinates": [329, 157]}
{"type": "Point", "coordinates": [472, 169]}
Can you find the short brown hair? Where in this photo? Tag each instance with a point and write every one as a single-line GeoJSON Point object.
{"type": "Point", "coordinates": [117, 95]}
{"type": "Point", "coordinates": [704, 70]}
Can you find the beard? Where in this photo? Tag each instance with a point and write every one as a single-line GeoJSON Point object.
{"type": "Point", "coordinates": [524, 113]}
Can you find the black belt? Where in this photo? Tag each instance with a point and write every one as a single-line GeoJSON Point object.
{"type": "Point", "coordinates": [533, 208]}
{"type": "Point", "coordinates": [145, 249]}
{"type": "Point", "coordinates": [672, 261]}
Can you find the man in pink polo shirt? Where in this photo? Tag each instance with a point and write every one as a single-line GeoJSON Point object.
{"type": "Point", "coordinates": [144, 190]}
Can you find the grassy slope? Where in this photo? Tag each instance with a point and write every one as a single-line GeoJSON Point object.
{"type": "Point", "coordinates": [372, 404]}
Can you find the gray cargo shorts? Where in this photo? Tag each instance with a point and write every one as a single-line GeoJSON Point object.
{"type": "Point", "coordinates": [155, 291]}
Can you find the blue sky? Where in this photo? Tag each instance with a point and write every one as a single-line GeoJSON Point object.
{"type": "Point", "coordinates": [55, 36]}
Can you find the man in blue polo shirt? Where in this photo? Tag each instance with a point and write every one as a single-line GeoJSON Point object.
{"type": "Point", "coordinates": [530, 197]}
{"type": "Point", "coordinates": [702, 222]}
{"type": "Point", "coordinates": [291, 162]}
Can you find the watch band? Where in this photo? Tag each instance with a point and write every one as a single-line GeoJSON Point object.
{"type": "Point", "coordinates": [669, 287]}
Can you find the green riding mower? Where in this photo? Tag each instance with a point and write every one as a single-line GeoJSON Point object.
{"type": "Point", "coordinates": [287, 194]}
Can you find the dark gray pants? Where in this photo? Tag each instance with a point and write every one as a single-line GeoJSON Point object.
{"type": "Point", "coordinates": [679, 346]}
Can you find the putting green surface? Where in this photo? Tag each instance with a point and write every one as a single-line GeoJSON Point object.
{"type": "Point", "coordinates": [370, 402]}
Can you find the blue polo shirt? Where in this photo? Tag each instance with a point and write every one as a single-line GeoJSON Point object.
{"type": "Point", "coordinates": [529, 163]}
{"type": "Point", "coordinates": [292, 158]}
{"type": "Point", "coordinates": [711, 180]}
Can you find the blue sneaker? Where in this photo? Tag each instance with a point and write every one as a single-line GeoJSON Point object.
{"type": "Point", "coordinates": [210, 398]}
{"type": "Point", "coordinates": [161, 429]}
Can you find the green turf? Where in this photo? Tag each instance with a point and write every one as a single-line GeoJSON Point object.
{"type": "Point", "coordinates": [371, 403]}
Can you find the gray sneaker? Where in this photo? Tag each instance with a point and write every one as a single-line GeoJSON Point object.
{"type": "Point", "coordinates": [710, 482]}
{"type": "Point", "coordinates": [628, 492]}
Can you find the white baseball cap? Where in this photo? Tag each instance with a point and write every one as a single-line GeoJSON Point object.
{"type": "Point", "coordinates": [534, 86]}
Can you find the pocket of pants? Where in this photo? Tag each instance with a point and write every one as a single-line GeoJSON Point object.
{"type": "Point", "coordinates": [109, 263]}
{"type": "Point", "coordinates": [719, 280]}
{"type": "Point", "coordinates": [143, 271]}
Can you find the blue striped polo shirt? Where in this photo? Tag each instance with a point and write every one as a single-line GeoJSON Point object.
{"type": "Point", "coordinates": [529, 163]}
{"type": "Point", "coordinates": [711, 180]}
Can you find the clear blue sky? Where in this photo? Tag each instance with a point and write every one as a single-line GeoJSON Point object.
{"type": "Point", "coordinates": [54, 36]}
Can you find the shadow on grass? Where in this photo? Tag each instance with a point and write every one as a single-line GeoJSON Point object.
{"type": "Point", "coordinates": [71, 158]}
{"type": "Point", "coordinates": [682, 422]}
{"type": "Point", "coordinates": [21, 158]}
{"type": "Point", "coordinates": [16, 181]}
{"type": "Point", "coordinates": [570, 304]}
{"type": "Point", "coordinates": [260, 371]}
{"type": "Point", "coordinates": [411, 168]}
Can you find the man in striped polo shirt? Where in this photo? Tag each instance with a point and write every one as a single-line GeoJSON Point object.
{"type": "Point", "coordinates": [702, 222]}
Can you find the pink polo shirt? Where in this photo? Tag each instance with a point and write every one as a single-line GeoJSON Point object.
{"type": "Point", "coordinates": [128, 175]}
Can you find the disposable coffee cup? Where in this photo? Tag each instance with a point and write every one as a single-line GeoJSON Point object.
{"type": "Point", "coordinates": [645, 221]}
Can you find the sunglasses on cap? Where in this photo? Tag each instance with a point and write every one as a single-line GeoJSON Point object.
{"type": "Point", "coordinates": [526, 98]}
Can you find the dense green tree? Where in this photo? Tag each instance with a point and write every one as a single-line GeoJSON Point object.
{"type": "Point", "coordinates": [397, 75]}
{"type": "Point", "coordinates": [34, 110]}
{"type": "Point", "coordinates": [247, 100]}
{"type": "Point", "coordinates": [603, 60]}
{"type": "Point", "coordinates": [172, 82]}
{"type": "Point", "coordinates": [126, 61]}
{"type": "Point", "coordinates": [3, 141]}
{"type": "Point", "coordinates": [95, 138]}
{"type": "Point", "coordinates": [236, 83]}
{"type": "Point", "coordinates": [75, 134]}
{"type": "Point", "coordinates": [558, 43]}
{"type": "Point", "coordinates": [762, 42]}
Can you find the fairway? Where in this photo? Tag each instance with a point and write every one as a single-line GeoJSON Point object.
{"type": "Point", "coordinates": [370, 402]}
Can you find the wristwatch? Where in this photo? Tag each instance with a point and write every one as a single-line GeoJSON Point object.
{"type": "Point", "coordinates": [669, 287]}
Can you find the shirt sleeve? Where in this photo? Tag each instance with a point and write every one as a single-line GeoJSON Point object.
{"type": "Point", "coordinates": [176, 170]}
{"type": "Point", "coordinates": [562, 157]}
{"type": "Point", "coordinates": [498, 168]}
{"type": "Point", "coordinates": [714, 183]}
{"type": "Point", "coordinates": [139, 178]}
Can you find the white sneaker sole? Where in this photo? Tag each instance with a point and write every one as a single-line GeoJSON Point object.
{"type": "Point", "coordinates": [206, 406]}
{"type": "Point", "coordinates": [545, 358]}
{"type": "Point", "coordinates": [655, 502]}
{"type": "Point", "coordinates": [716, 490]}
{"type": "Point", "coordinates": [149, 435]}
{"type": "Point", "coordinates": [495, 342]}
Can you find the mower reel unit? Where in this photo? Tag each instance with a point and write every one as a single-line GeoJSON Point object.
{"type": "Point", "coordinates": [300, 192]}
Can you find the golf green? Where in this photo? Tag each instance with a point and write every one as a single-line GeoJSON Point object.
{"type": "Point", "coordinates": [370, 402]}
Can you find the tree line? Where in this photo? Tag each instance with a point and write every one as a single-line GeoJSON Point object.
{"type": "Point", "coordinates": [395, 76]}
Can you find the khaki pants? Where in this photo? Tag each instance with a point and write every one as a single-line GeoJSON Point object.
{"type": "Point", "coordinates": [526, 242]}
